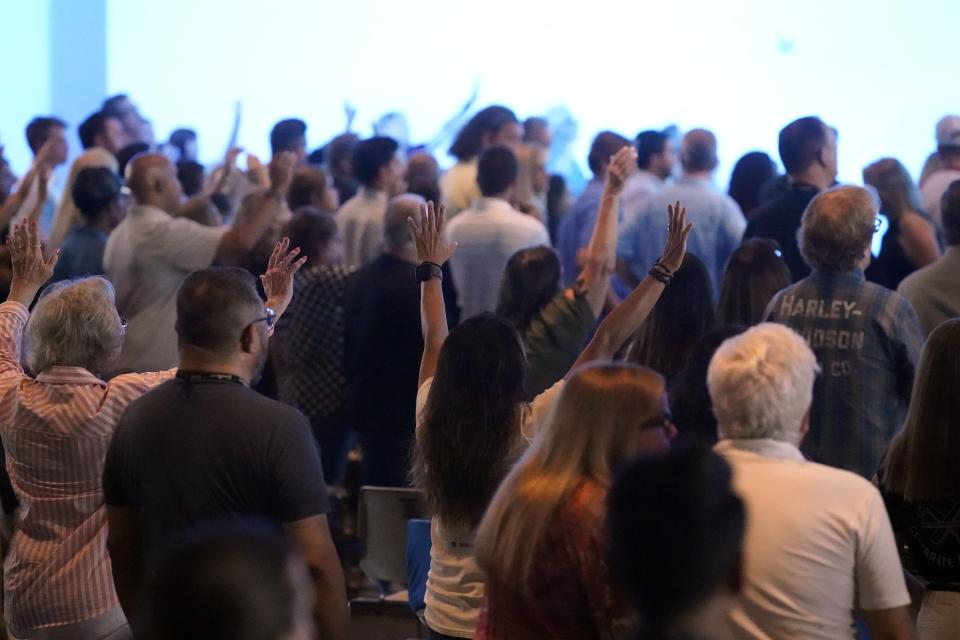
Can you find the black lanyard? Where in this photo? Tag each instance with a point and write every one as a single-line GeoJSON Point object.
{"type": "Point", "coordinates": [198, 376]}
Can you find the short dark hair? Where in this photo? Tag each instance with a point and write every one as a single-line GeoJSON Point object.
{"type": "Point", "coordinates": [181, 137]}
{"type": "Point", "coordinates": [604, 146]}
{"type": "Point", "coordinates": [129, 152]}
{"type": "Point", "coordinates": [90, 128]}
{"type": "Point", "coordinates": [94, 189]}
{"type": "Point", "coordinates": [497, 170]}
{"type": "Point", "coordinates": [371, 155]}
{"type": "Point", "coordinates": [40, 128]}
{"type": "Point", "coordinates": [698, 151]}
{"type": "Point", "coordinates": [469, 139]}
{"type": "Point", "coordinates": [213, 308]}
{"type": "Point", "coordinates": [190, 174]}
{"type": "Point", "coordinates": [231, 582]}
{"type": "Point", "coordinates": [309, 227]}
{"type": "Point", "coordinates": [683, 505]}
{"type": "Point", "coordinates": [649, 143]}
{"type": "Point", "coordinates": [800, 141]}
{"type": "Point", "coordinates": [111, 106]}
{"type": "Point", "coordinates": [950, 213]}
{"type": "Point", "coordinates": [307, 181]}
{"type": "Point", "coordinates": [530, 126]}
{"type": "Point", "coordinates": [339, 149]}
{"type": "Point", "coordinates": [286, 135]}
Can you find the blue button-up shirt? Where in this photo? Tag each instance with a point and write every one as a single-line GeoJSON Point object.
{"type": "Point", "coordinates": [718, 226]}
{"type": "Point", "coordinates": [867, 340]}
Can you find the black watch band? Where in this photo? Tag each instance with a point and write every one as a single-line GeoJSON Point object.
{"type": "Point", "coordinates": [428, 270]}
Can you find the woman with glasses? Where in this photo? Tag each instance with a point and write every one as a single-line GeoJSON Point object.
{"type": "Point", "coordinates": [56, 426]}
{"type": "Point", "coordinates": [472, 418]}
{"type": "Point", "coordinates": [541, 542]}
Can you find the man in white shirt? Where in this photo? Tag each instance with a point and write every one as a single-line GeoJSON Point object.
{"type": "Point", "coordinates": [488, 233]}
{"type": "Point", "coordinates": [150, 252]}
{"type": "Point", "coordinates": [379, 169]}
{"type": "Point", "coordinates": [948, 150]}
{"type": "Point", "coordinates": [819, 543]}
{"type": "Point", "coordinates": [656, 159]}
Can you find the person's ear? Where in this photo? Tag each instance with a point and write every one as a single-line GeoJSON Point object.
{"type": "Point", "coordinates": [247, 339]}
{"type": "Point", "coordinates": [805, 423]}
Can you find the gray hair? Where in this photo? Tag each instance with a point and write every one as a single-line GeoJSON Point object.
{"type": "Point", "coordinates": [761, 383]}
{"type": "Point", "coordinates": [837, 228]}
{"type": "Point", "coordinates": [74, 324]}
{"type": "Point", "coordinates": [396, 230]}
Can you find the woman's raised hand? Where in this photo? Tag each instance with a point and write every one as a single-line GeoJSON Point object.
{"type": "Point", "coordinates": [432, 245]}
{"type": "Point", "coordinates": [678, 230]}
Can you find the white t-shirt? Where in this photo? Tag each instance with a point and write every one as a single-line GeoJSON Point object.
{"type": "Point", "coordinates": [455, 584]}
{"type": "Point", "coordinates": [818, 544]}
{"type": "Point", "coordinates": [933, 189]}
{"type": "Point", "coordinates": [147, 257]}
{"type": "Point", "coordinates": [458, 187]}
{"type": "Point", "coordinates": [361, 222]}
{"type": "Point", "coordinates": [488, 234]}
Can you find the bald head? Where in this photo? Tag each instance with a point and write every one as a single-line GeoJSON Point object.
{"type": "Point", "coordinates": [698, 151]}
{"type": "Point", "coordinates": [153, 180]}
{"type": "Point", "coordinates": [396, 230]}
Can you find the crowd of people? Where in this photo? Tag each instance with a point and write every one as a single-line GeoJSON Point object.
{"type": "Point", "coordinates": [641, 408]}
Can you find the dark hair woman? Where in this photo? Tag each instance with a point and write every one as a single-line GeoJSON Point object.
{"type": "Point", "coordinates": [920, 484]}
{"type": "Point", "coordinates": [755, 272]}
{"type": "Point", "coordinates": [555, 323]}
{"type": "Point", "coordinates": [472, 421]}
{"type": "Point", "coordinates": [752, 171]}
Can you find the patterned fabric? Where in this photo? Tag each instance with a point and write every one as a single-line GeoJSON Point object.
{"type": "Point", "coordinates": [570, 592]}
{"type": "Point", "coordinates": [56, 429]}
{"type": "Point", "coordinates": [310, 338]}
{"type": "Point", "coordinates": [867, 340]}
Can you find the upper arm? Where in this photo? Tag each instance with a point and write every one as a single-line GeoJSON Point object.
{"type": "Point", "coordinates": [919, 240]}
{"type": "Point", "coordinates": [12, 319]}
{"type": "Point", "coordinates": [311, 537]}
{"type": "Point", "coordinates": [297, 489]}
{"type": "Point", "coordinates": [878, 572]}
{"type": "Point", "coordinates": [888, 624]}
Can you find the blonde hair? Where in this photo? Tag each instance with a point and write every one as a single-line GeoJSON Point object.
{"type": "Point", "coordinates": [74, 324]}
{"type": "Point", "coordinates": [594, 425]}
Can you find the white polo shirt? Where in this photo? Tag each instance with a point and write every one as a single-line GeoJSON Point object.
{"type": "Point", "coordinates": [147, 257]}
{"type": "Point", "coordinates": [488, 234]}
{"type": "Point", "coordinates": [361, 221]}
{"type": "Point", "coordinates": [818, 544]}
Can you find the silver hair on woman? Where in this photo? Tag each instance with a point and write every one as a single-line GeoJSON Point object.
{"type": "Point", "coordinates": [74, 324]}
{"type": "Point", "coordinates": [761, 383]}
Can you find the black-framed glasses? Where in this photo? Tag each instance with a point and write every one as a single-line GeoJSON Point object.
{"type": "Point", "coordinates": [123, 322]}
{"type": "Point", "coordinates": [270, 318]}
{"type": "Point", "coordinates": [662, 421]}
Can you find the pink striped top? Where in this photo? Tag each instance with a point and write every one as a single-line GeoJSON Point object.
{"type": "Point", "coordinates": [56, 429]}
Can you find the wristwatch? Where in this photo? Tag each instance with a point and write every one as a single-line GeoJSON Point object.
{"type": "Point", "coordinates": [428, 270]}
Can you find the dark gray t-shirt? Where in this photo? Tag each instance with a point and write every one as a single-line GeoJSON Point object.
{"type": "Point", "coordinates": [194, 453]}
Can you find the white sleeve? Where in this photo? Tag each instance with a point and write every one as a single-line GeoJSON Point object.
{"type": "Point", "coordinates": [188, 245]}
{"type": "Point", "coordinates": [540, 410]}
{"type": "Point", "coordinates": [879, 574]}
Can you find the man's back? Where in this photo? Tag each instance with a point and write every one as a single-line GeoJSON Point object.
{"type": "Point", "coordinates": [487, 236]}
{"type": "Point", "coordinates": [360, 220]}
{"type": "Point", "coordinates": [867, 341]}
{"type": "Point", "coordinates": [779, 220]}
{"type": "Point", "coordinates": [818, 544]}
{"type": "Point", "coordinates": [198, 450]}
{"type": "Point", "coordinates": [934, 291]}
{"type": "Point", "coordinates": [146, 258]}
{"type": "Point", "coordinates": [933, 189]}
{"type": "Point", "coordinates": [718, 226]}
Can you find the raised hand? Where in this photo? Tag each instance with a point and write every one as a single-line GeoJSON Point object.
{"type": "Point", "coordinates": [621, 165]}
{"type": "Point", "coordinates": [277, 281]}
{"type": "Point", "coordinates": [678, 230]}
{"type": "Point", "coordinates": [432, 246]}
{"type": "Point", "coordinates": [30, 269]}
{"type": "Point", "coordinates": [282, 168]}
{"type": "Point", "coordinates": [256, 172]}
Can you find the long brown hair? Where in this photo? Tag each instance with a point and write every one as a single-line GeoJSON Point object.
{"type": "Point", "coordinates": [923, 464]}
{"type": "Point", "coordinates": [595, 425]}
{"type": "Point", "coordinates": [755, 272]}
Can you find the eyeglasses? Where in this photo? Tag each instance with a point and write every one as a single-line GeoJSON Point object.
{"type": "Point", "coordinates": [876, 225]}
{"type": "Point", "coordinates": [270, 318]}
{"type": "Point", "coordinates": [662, 421]}
{"type": "Point", "coordinates": [123, 322]}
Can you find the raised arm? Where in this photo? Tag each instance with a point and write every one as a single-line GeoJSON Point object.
{"type": "Point", "coordinates": [277, 281]}
{"type": "Point", "coordinates": [432, 249]}
{"type": "Point", "coordinates": [602, 250]}
{"type": "Point", "coordinates": [244, 235]}
{"type": "Point", "coordinates": [30, 269]}
{"type": "Point", "coordinates": [627, 317]}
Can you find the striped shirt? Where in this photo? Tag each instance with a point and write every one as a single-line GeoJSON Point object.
{"type": "Point", "coordinates": [56, 429]}
{"type": "Point", "coordinates": [867, 340]}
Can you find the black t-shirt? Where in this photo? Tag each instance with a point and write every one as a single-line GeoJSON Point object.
{"type": "Point", "coordinates": [383, 345]}
{"type": "Point", "coordinates": [196, 452]}
{"type": "Point", "coordinates": [780, 219]}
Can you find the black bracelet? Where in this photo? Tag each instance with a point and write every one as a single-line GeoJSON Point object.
{"type": "Point", "coordinates": [657, 272]}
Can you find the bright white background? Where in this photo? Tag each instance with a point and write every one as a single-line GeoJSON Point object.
{"type": "Point", "coordinates": [882, 72]}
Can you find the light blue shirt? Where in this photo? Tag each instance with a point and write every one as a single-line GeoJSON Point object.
{"type": "Point", "coordinates": [718, 226]}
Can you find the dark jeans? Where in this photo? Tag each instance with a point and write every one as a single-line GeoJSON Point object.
{"type": "Point", "coordinates": [386, 461]}
{"type": "Point", "coordinates": [334, 438]}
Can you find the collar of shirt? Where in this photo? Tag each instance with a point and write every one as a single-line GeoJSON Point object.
{"type": "Point", "coordinates": [146, 211]}
{"type": "Point", "coordinates": [700, 182]}
{"type": "Point", "coordinates": [766, 447]}
{"type": "Point", "coordinates": [68, 375]}
{"type": "Point", "coordinates": [855, 275]}
{"type": "Point", "coordinates": [374, 195]}
{"type": "Point", "coordinates": [494, 205]}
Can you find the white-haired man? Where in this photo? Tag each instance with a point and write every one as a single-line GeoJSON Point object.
{"type": "Point", "coordinates": [819, 543]}
{"type": "Point", "coordinates": [866, 338]}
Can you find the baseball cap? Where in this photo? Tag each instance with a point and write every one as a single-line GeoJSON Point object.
{"type": "Point", "coordinates": [948, 131]}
